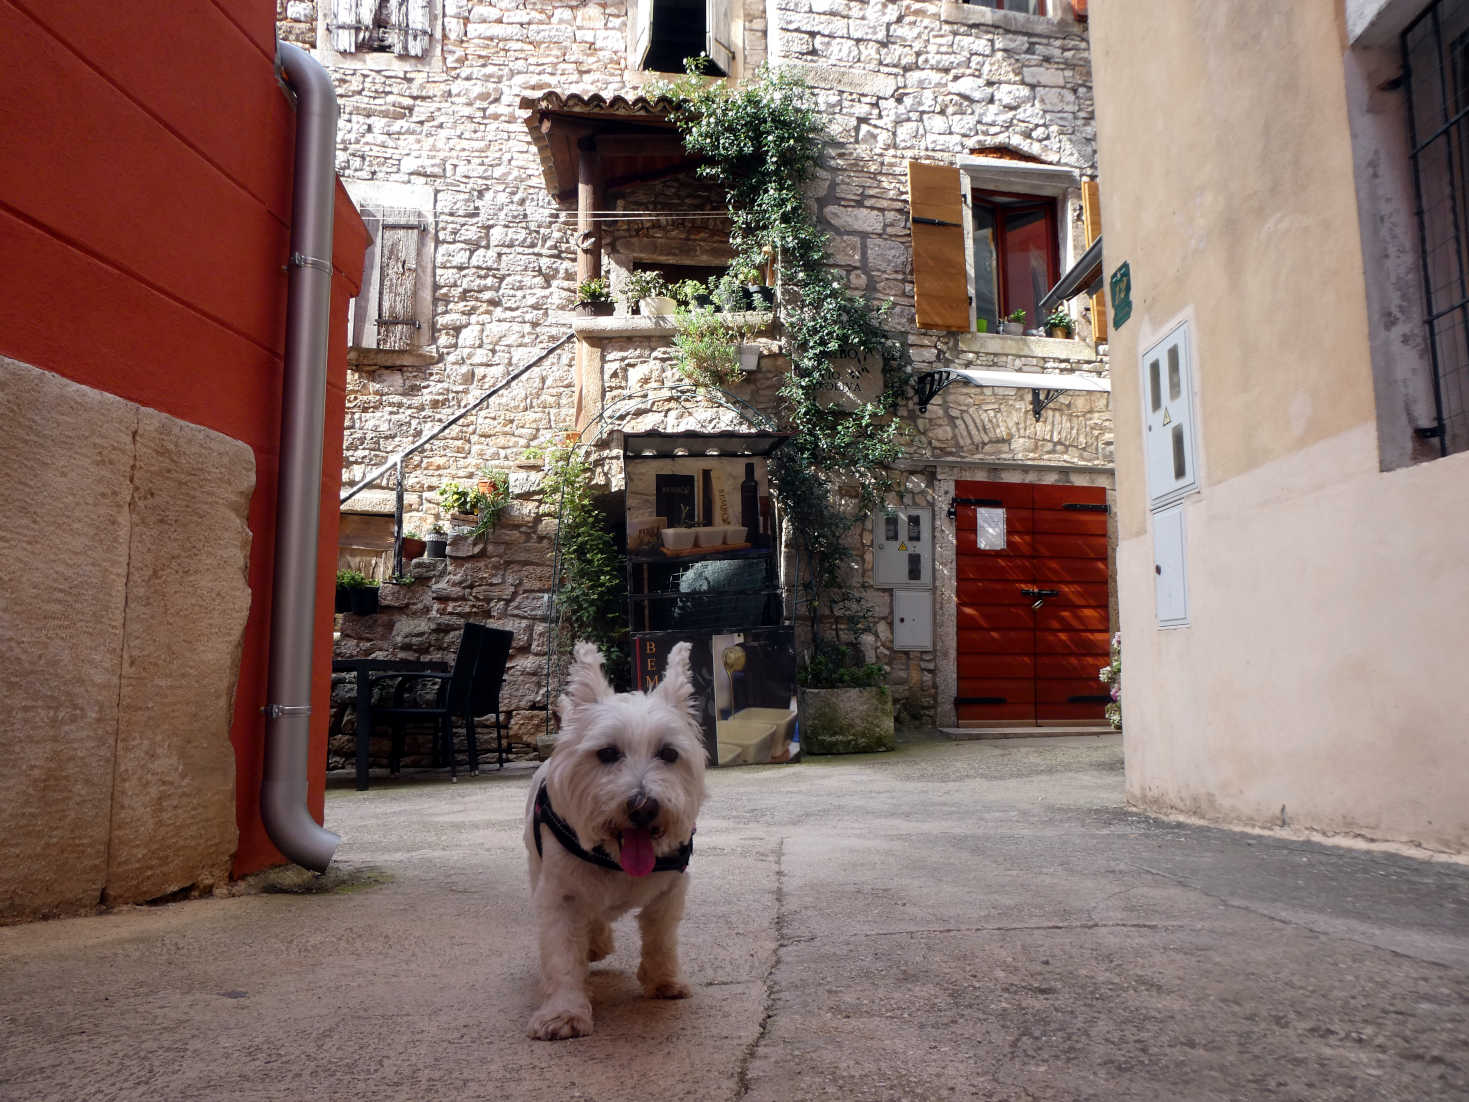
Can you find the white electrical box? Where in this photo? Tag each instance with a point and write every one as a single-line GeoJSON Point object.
{"type": "Point", "coordinates": [902, 547]}
{"type": "Point", "coordinates": [912, 619]}
{"type": "Point", "coordinates": [1169, 445]}
{"type": "Point", "coordinates": [1170, 573]}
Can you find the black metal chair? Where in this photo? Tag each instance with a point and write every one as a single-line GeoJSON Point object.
{"type": "Point", "coordinates": [471, 688]}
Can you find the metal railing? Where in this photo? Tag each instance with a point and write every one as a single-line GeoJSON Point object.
{"type": "Point", "coordinates": [395, 463]}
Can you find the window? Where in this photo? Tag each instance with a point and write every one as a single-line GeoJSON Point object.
{"type": "Point", "coordinates": [987, 238]}
{"type": "Point", "coordinates": [1031, 7]}
{"type": "Point", "coordinates": [663, 33]}
{"type": "Point", "coordinates": [1436, 63]}
{"type": "Point", "coordinates": [401, 28]}
{"type": "Point", "coordinates": [391, 321]}
{"type": "Point", "coordinates": [1015, 255]}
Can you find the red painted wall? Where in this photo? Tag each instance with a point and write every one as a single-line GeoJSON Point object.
{"type": "Point", "coordinates": [145, 193]}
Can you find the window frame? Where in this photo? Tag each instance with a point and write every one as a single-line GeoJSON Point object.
{"type": "Point", "coordinates": [401, 205]}
{"type": "Point", "coordinates": [721, 40]}
{"type": "Point", "coordinates": [1024, 203]}
{"type": "Point", "coordinates": [1058, 185]}
{"type": "Point", "coordinates": [328, 28]}
{"type": "Point", "coordinates": [999, 5]}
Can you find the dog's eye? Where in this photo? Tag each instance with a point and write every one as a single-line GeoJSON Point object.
{"type": "Point", "coordinates": [668, 754]}
{"type": "Point", "coordinates": [609, 755]}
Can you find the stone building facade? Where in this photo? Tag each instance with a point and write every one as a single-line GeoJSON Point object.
{"type": "Point", "coordinates": [444, 129]}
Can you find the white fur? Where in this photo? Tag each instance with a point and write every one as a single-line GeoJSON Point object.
{"type": "Point", "coordinates": [576, 901]}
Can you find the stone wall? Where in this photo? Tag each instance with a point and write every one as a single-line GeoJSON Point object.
{"type": "Point", "coordinates": [896, 80]}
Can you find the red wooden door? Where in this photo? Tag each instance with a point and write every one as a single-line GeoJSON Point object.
{"type": "Point", "coordinates": [1032, 614]}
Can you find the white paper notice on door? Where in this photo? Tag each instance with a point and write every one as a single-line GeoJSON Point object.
{"type": "Point", "coordinates": [990, 527]}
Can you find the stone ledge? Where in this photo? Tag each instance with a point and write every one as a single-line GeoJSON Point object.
{"type": "Point", "coordinates": [659, 326]}
{"type": "Point", "coordinates": [1045, 348]}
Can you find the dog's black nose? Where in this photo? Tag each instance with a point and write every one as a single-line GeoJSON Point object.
{"type": "Point", "coordinates": [642, 809]}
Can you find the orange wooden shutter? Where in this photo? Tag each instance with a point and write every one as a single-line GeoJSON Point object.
{"type": "Point", "coordinates": [1091, 213]}
{"type": "Point", "coordinates": [936, 213]}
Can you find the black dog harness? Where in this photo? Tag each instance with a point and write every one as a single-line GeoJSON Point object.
{"type": "Point", "coordinates": [544, 813]}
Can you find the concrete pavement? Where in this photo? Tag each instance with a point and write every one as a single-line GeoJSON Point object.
{"type": "Point", "coordinates": [955, 920]}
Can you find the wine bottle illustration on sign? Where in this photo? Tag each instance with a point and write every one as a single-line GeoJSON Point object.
{"type": "Point", "coordinates": [750, 503]}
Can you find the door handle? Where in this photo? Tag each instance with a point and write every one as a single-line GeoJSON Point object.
{"type": "Point", "coordinates": [1040, 595]}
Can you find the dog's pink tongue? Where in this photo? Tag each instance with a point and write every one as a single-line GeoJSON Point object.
{"type": "Point", "coordinates": [636, 852]}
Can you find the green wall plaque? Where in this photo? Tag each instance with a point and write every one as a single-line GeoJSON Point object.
{"type": "Point", "coordinates": [1121, 282]}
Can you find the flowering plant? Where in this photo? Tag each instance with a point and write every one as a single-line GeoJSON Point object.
{"type": "Point", "coordinates": [1111, 675]}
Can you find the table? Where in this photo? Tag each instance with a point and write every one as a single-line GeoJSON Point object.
{"type": "Point", "coordinates": [360, 668]}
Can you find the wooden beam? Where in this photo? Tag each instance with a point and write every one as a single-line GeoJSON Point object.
{"type": "Point", "coordinates": [588, 199]}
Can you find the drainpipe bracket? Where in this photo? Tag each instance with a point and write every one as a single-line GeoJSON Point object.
{"type": "Point", "coordinates": [301, 260]}
{"type": "Point", "coordinates": [279, 711]}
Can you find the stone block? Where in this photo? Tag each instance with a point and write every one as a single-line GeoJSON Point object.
{"type": "Point", "coordinates": [61, 632]}
{"type": "Point", "coordinates": [173, 817]}
{"type": "Point", "coordinates": [123, 621]}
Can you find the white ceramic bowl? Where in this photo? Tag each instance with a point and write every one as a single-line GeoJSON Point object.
{"type": "Point", "coordinates": [678, 539]}
{"type": "Point", "coordinates": [736, 535]}
{"type": "Point", "coordinates": [710, 537]}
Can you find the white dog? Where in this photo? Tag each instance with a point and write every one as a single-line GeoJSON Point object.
{"type": "Point", "coordinates": [609, 827]}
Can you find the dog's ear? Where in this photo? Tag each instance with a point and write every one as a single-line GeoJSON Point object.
{"type": "Point", "coordinates": [585, 681]}
{"type": "Point", "coordinates": [677, 687]}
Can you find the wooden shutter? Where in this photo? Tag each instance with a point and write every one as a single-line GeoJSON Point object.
{"type": "Point", "coordinates": [397, 321]}
{"type": "Point", "coordinates": [641, 14]}
{"type": "Point", "coordinates": [350, 23]}
{"type": "Point", "coordinates": [364, 306]}
{"type": "Point", "coordinates": [936, 214]}
{"type": "Point", "coordinates": [419, 30]}
{"type": "Point", "coordinates": [719, 35]}
{"type": "Point", "coordinates": [1091, 213]}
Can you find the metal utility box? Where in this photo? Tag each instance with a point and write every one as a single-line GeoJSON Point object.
{"type": "Point", "coordinates": [902, 547]}
{"type": "Point", "coordinates": [912, 619]}
{"type": "Point", "coordinates": [1170, 567]}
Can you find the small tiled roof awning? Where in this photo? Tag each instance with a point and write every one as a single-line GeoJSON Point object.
{"type": "Point", "coordinates": [1085, 276]}
{"type": "Point", "coordinates": [633, 137]}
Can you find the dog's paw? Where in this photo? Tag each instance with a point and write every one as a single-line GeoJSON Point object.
{"type": "Point", "coordinates": [558, 1023]}
{"type": "Point", "coordinates": [663, 987]}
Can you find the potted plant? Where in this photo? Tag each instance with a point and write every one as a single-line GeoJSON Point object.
{"type": "Point", "coordinates": [593, 299]}
{"type": "Point", "coordinates": [365, 597]}
{"type": "Point", "coordinates": [1058, 323]}
{"type": "Point", "coordinates": [492, 498]}
{"type": "Point", "coordinates": [347, 581]}
{"type": "Point", "coordinates": [413, 546]}
{"type": "Point", "coordinates": [690, 293]}
{"type": "Point", "coordinates": [646, 292]}
{"type": "Point", "coordinates": [845, 704]}
{"type": "Point", "coordinates": [761, 296]}
{"type": "Point", "coordinates": [437, 542]}
{"type": "Point", "coordinates": [1014, 323]}
{"type": "Point", "coordinates": [706, 349]}
{"type": "Point", "coordinates": [460, 502]}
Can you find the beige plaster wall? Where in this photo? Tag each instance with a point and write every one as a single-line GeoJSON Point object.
{"type": "Point", "coordinates": [126, 548]}
{"type": "Point", "coordinates": [1318, 681]}
{"type": "Point", "coordinates": [1322, 676]}
{"type": "Point", "coordinates": [1227, 185]}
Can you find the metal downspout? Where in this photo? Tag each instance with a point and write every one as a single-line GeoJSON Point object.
{"type": "Point", "coordinates": [303, 410]}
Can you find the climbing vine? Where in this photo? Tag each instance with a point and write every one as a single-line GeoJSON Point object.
{"type": "Point", "coordinates": [590, 586]}
{"type": "Point", "coordinates": [762, 143]}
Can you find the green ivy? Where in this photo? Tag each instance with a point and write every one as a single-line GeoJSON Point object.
{"type": "Point", "coordinates": [591, 581]}
{"type": "Point", "coordinates": [762, 142]}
